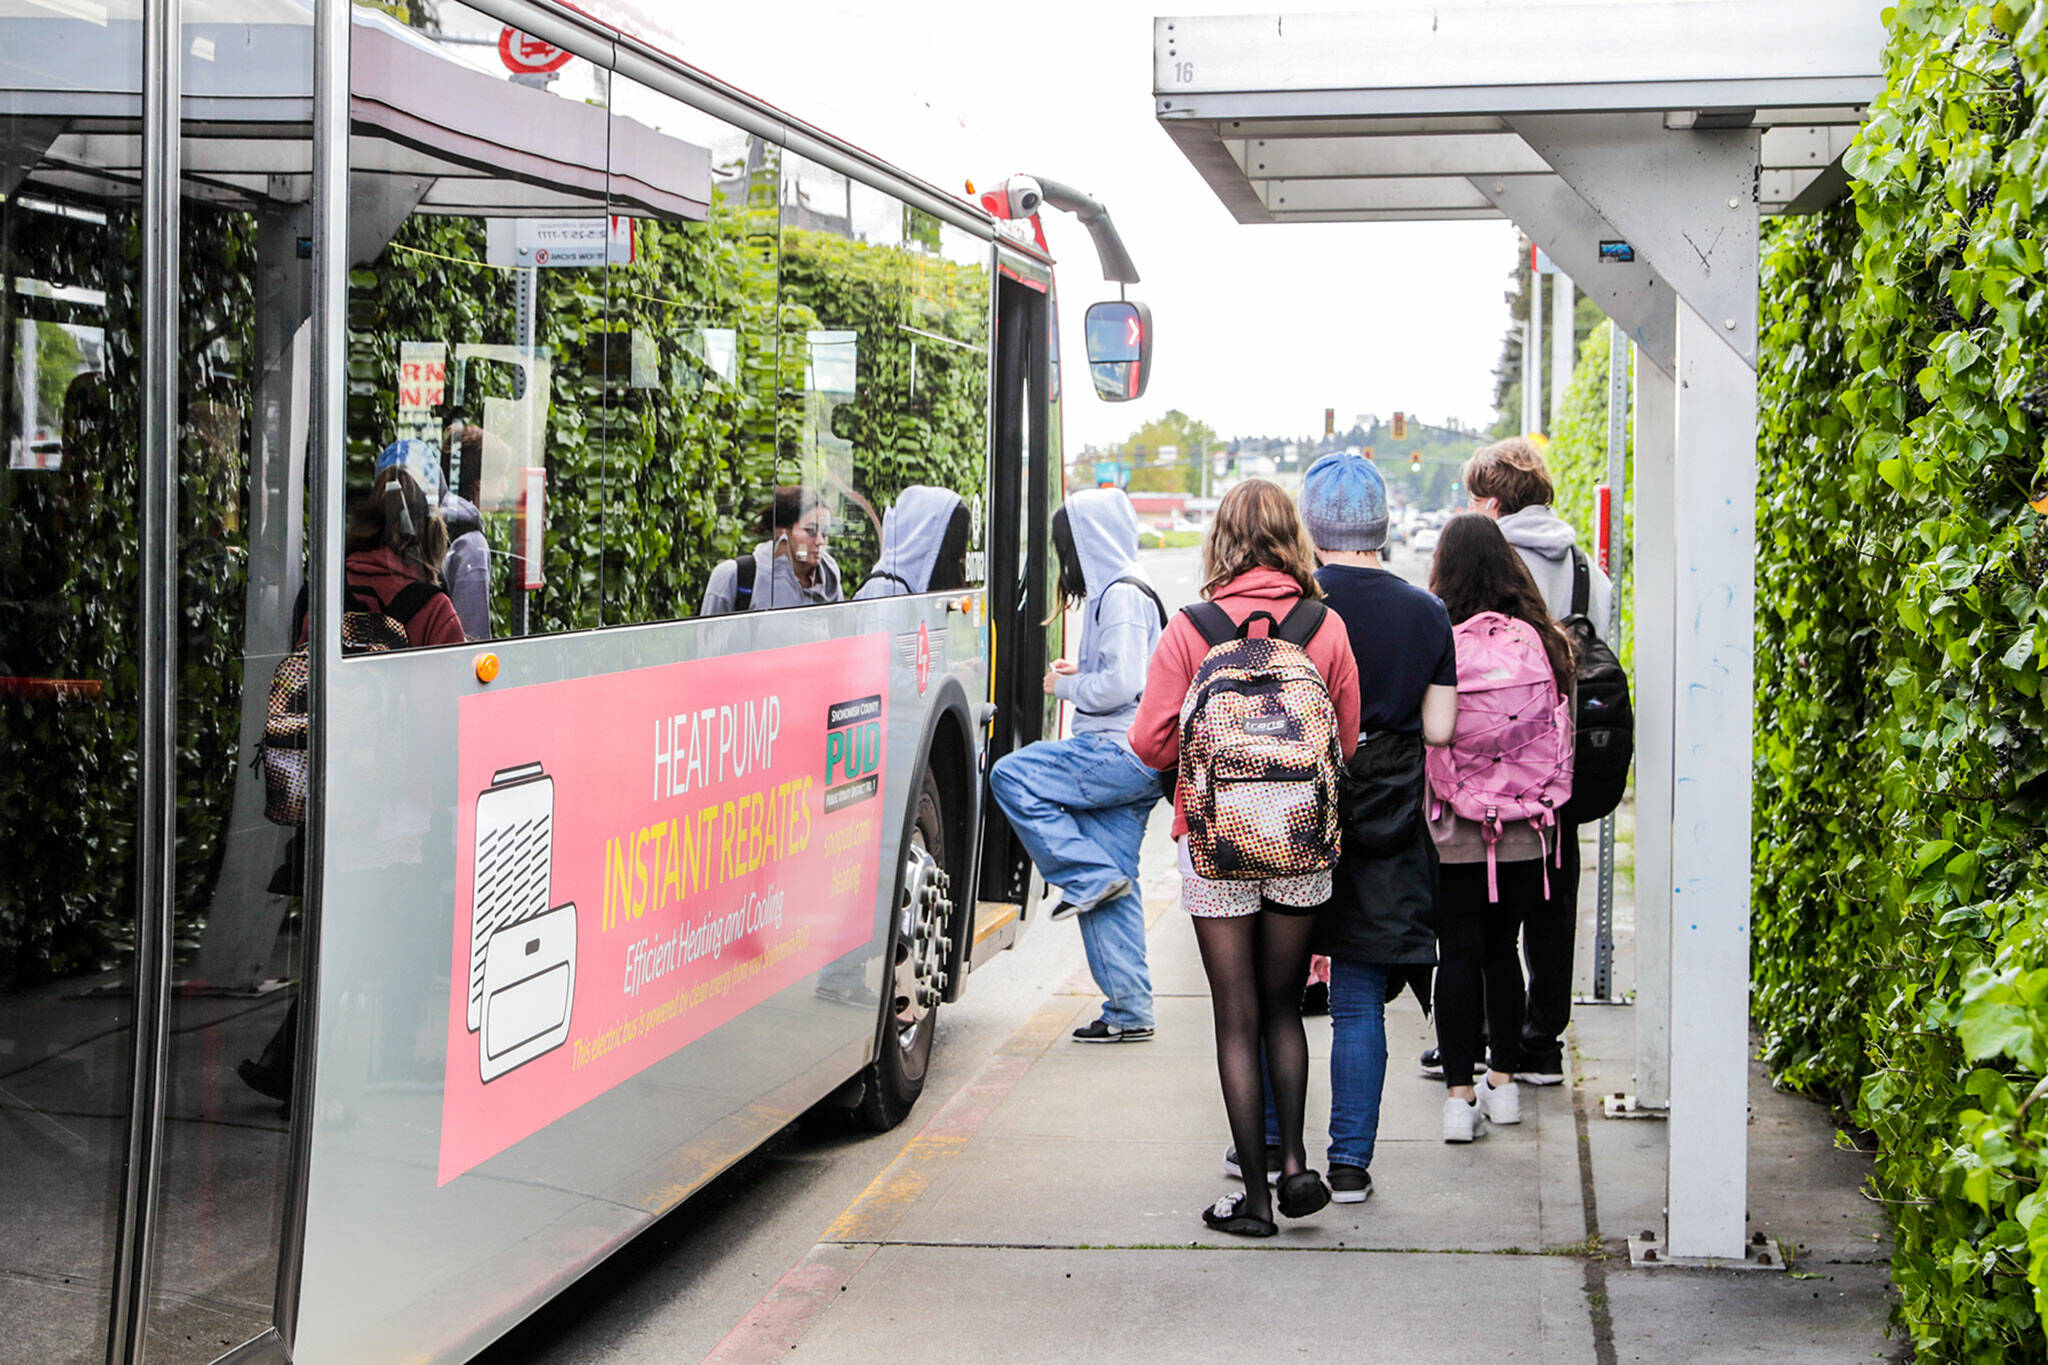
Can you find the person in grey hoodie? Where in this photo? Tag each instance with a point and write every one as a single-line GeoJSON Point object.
{"type": "Point", "coordinates": [792, 567]}
{"type": "Point", "coordinates": [1079, 805]}
{"type": "Point", "coordinates": [1509, 482]}
{"type": "Point", "coordinates": [924, 545]}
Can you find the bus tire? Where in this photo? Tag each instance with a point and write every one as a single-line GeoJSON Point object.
{"type": "Point", "coordinates": [914, 972]}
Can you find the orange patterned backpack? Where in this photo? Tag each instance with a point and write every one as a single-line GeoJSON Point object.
{"type": "Point", "coordinates": [1258, 749]}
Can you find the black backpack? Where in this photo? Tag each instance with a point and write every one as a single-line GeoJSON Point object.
{"type": "Point", "coordinates": [1606, 719]}
{"type": "Point", "coordinates": [743, 571]}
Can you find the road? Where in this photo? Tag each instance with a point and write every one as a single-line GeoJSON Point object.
{"type": "Point", "coordinates": [675, 1291]}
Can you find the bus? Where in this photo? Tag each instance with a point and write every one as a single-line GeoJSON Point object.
{"type": "Point", "coordinates": [359, 991]}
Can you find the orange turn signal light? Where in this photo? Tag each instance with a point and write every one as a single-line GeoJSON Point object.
{"type": "Point", "coordinates": [486, 668]}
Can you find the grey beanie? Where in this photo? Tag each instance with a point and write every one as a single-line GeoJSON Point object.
{"type": "Point", "coordinates": [1344, 502]}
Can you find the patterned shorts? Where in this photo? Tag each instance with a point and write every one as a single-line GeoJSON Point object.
{"type": "Point", "coordinates": [1231, 900]}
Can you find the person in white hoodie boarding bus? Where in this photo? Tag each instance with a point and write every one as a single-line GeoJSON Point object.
{"type": "Point", "coordinates": [1509, 482]}
{"type": "Point", "coordinates": [1079, 805]}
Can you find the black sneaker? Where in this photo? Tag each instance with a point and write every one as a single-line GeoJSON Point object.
{"type": "Point", "coordinates": [1233, 1168]}
{"type": "Point", "coordinates": [1432, 1065]}
{"type": "Point", "coordinates": [1350, 1184]}
{"type": "Point", "coordinates": [1102, 1031]}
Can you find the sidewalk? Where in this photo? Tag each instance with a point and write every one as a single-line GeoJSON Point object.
{"type": "Point", "coordinates": [1051, 1212]}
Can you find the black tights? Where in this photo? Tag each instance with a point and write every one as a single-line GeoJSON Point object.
{"type": "Point", "coordinates": [1256, 966]}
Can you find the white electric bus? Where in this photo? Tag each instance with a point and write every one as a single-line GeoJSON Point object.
{"type": "Point", "coordinates": [734, 450]}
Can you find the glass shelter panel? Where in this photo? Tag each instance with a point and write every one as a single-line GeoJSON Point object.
{"type": "Point", "coordinates": [242, 367]}
{"type": "Point", "coordinates": [689, 358]}
{"type": "Point", "coordinates": [70, 538]}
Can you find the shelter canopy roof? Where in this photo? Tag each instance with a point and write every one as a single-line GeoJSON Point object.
{"type": "Point", "coordinates": [1395, 113]}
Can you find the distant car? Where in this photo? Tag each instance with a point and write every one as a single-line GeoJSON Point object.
{"type": "Point", "coordinates": [1183, 524]}
{"type": "Point", "coordinates": [1425, 540]}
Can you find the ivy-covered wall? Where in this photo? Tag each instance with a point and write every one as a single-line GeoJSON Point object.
{"type": "Point", "coordinates": [1901, 923]}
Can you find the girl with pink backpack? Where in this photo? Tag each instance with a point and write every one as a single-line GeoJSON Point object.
{"type": "Point", "coordinates": [1494, 795]}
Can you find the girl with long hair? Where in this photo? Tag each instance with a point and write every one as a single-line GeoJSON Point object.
{"type": "Point", "coordinates": [1479, 977]}
{"type": "Point", "coordinates": [1253, 936]}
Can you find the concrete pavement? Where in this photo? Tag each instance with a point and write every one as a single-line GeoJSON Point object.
{"type": "Point", "coordinates": [1050, 1210]}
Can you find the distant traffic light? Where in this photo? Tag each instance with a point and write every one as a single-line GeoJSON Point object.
{"type": "Point", "coordinates": [1400, 426]}
{"type": "Point", "coordinates": [1415, 462]}
{"type": "Point", "coordinates": [1365, 451]}
{"type": "Point", "coordinates": [1329, 422]}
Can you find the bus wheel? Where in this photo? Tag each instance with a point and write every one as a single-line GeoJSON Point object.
{"type": "Point", "coordinates": [916, 978]}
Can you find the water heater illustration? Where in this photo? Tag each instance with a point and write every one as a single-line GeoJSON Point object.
{"type": "Point", "coordinates": [522, 950]}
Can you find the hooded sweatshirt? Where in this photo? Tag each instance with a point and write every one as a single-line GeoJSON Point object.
{"type": "Point", "coordinates": [1155, 730]}
{"type": "Point", "coordinates": [467, 568]}
{"type": "Point", "coordinates": [913, 532]}
{"type": "Point", "coordinates": [775, 583]}
{"type": "Point", "coordinates": [1119, 624]}
{"type": "Point", "coordinates": [1544, 541]}
{"type": "Point", "coordinates": [383, 575]}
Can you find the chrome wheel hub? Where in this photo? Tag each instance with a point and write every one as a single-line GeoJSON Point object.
{"type": "Point", "coordinates": [922, 947]}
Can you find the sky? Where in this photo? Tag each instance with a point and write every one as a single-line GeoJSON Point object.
{"type": "Point", "coordinates": [1257, 328]}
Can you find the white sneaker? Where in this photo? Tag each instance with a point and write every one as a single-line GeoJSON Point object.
{"type": "Point", "coordinates": [1463, 1120]}
{"type": "Point", "coordinates": [1500, 1104]}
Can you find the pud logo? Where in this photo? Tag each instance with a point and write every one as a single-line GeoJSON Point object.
{"type": "Point", "coordinates": [853, 752]}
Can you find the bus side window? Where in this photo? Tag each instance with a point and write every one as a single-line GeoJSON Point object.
{"type": "Point", "coordinates": [888, 310]}
{"type": "Point", "coordinates": [688, 360]}
{"type": "Point", "coordinates": [466, 328]}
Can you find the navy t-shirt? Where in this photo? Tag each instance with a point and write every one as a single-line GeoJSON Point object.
{"type": "Point", "coordinates": [1401, 636]}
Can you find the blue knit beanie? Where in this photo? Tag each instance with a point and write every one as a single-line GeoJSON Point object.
{"type": "Point", "coordinates": [1344, 502]}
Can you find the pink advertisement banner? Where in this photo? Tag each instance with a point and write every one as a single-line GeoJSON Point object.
{"type": "Point", "coordinates": [643, 856]}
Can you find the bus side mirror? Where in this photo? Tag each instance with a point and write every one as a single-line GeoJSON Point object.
{"type": "Point", "coordinates": [1119, 349]}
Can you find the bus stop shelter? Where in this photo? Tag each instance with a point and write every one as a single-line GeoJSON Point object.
{"type": "Point", "coordinates": [1638, 142]}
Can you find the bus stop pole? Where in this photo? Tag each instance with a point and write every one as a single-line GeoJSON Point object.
{"type": "Point", "coordinates": [1614, 542]}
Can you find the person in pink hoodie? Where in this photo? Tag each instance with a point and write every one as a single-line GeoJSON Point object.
{"type": "Point", "coordinates": [1254, 936]}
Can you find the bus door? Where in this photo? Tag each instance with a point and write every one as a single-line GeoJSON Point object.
{"type": "Point", "coordinates": [1023, 492]}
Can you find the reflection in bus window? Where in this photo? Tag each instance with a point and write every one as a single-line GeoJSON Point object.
{"type": "Point", "coordinates": [924, 545]}
{"type": "Point", "coordinates": [689, 360]}
{"type": "Point", "coordinates": [888, 309]}
{"type": "Point", "coordinates": [477, 305]}
{"type": "Point", "coordinates": [791, 566]}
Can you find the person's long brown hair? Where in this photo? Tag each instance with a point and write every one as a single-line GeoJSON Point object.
{"type": "Point", "coordinates": [1477, 570]}
{"type": "Point", "coordinates": [396, 514]}
{"type": "Point", "coordinates": [1256, 527]}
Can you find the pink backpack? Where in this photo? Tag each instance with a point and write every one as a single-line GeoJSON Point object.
{"type": "Point", "coordinates": [1512, 758]}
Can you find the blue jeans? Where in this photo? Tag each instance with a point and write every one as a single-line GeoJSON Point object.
{"type": "Point", "coordinates": [1079, 807]}
{"type": "Point", "coordinates": [1358, 1062]}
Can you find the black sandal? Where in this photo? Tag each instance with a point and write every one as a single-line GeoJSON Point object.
{"type": "Point", "coordinates": [1302, 1194]}
{"type": "Point", "coordinates": [1224, 1216]}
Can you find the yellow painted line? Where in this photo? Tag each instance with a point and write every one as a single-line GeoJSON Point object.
{"type": "Point", "coordinates": [880, 1207]}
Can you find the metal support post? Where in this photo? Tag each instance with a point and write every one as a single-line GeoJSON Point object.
{"type": "Point", "coordinates": [1714, 669]}
{"type": "Point", "coordinates": [1655, 587]}
{"type": "Point", "coordinates": [156, 833]}
{"type": "Point", "coordinates": [1532, 365]}
{"type": "Point", "coordinates": [1617, 486]}
{"type": "Point", "coordinates": [1563, 345]}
